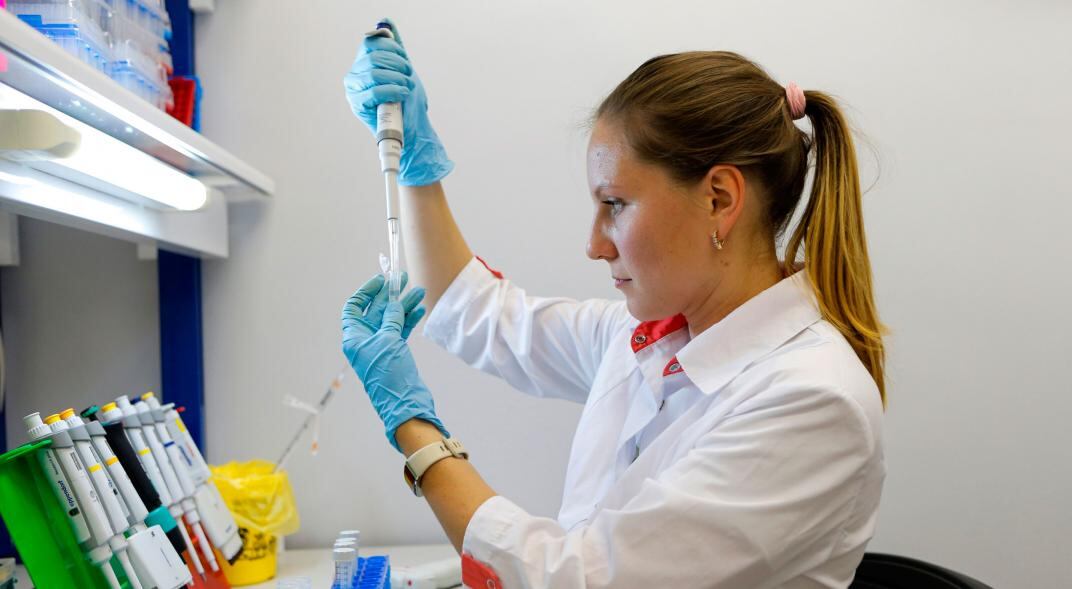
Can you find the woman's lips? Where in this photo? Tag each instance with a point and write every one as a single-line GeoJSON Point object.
{"type": "Point", "coordinates": [618, 282]}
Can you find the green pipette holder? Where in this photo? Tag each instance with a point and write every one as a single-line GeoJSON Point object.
{"type": "Point", "coordinates": [38, 525]}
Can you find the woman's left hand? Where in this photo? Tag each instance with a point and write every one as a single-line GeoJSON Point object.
{"type": "Point", "coordinates": [374, 336]}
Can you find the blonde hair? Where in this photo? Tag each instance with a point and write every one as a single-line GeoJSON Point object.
{"type": "Point", "coordinates": [690, 111]}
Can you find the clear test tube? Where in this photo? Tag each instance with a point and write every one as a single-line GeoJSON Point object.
{"type": "Point", "coordinates": [351, 543]}
{"type": "Point", "coordinates": [354, 536]}
{"type": "Point", "coordinates": [345, 566]}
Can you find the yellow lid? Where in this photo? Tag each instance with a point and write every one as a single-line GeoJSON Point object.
{"type": "Point", "coordinates": [148, 396]}
{"type": "Point", "coordinates": [67, 413]}
{"type": "Point", "coordinates": [109, 407]}
{"type": "Point", "coordinates": [52, 419]}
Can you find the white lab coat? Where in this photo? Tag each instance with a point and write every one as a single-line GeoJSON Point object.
{"type": "Point", "coordinates": [762, 469]}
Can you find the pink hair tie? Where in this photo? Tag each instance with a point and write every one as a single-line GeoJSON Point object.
{"type": "Point", "coordinates": [795, 96]}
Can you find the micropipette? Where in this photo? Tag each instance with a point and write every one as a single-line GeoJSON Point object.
{"type": "Point", "coordinates": [389, 143]}
{"type": "Point", "coordinates": [217, 520]}
{"type": "Point", "coordinates": [182, 505]}
{"type": "Point", "coordinates": [131, 451]}
{"type": "Point", "coordinates": [97, 547]}
{"type": "Point", "coordinates": [182, 474]}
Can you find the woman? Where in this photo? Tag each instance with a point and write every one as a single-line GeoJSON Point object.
{"type": "Point", "coordinates": [731, 435]}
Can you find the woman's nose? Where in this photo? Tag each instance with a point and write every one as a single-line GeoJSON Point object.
{"type": "Point", "coordinates": [599, 247]}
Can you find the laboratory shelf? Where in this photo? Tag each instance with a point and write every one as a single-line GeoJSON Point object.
{"type": "Point", "coordinates": [43, 70]}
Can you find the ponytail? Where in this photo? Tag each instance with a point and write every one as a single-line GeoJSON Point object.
{"type": "Point", "coordinates": [832, 232]}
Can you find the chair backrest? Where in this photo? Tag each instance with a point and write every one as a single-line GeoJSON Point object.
{"type": "Point", "coordinates": [886, 571]}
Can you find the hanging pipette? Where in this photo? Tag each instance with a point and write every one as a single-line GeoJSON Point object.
{"type": "Point", "coordinates": [389, 142]}
{"type": "Point", "coordinates": [309, 419]}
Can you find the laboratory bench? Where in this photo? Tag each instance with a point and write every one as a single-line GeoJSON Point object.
{"type": "Point", "coordinates": [316, 565]}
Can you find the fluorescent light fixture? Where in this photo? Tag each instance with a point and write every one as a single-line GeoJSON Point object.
{"type": "Point", "coordinates": [107, 164]}
{"type": "Point", "coordinates": [20, 180]}
{"type": "Point", "coordinates": [40, 190]}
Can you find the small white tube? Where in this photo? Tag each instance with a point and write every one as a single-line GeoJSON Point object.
{"type": "Point", "coordinates": [176, 512]}
{"type": "Point", "coordinates": [128, 569]}
{"type": "Point", "coordinates": [345, 566]}
{"type": "Point", "coordinates": [109, 575]}
{"type": "Point", "coordinates": [352, 536]}
{"type": "Point", "coordinates": [206, 547]}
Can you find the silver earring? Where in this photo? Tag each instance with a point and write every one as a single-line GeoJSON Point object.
{"type": "Point", "coordinates": [715, 240]}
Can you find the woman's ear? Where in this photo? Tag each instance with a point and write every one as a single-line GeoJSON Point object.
{"type": "Point", "coordinates": [725, 188]}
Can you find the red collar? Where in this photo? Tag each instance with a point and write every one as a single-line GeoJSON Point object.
{"type": "Point", "coordinates": [649, 332]}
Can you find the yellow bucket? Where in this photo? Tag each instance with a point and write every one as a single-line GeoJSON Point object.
{"type": "Point", "coordinates": [257, 562]}
{"type": "Point", "coordinates": [263, 506]}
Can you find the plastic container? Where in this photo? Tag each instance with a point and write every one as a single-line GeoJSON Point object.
{"type": "Point", "coordinates": [256, 563]}
{"type": "Point", "coordinates": [345, 560]}
{"type": "Point", "coordinates": [75, 25]}
{"type": "Point", "coordinates": [140, 60]}
{"type": "Point", "coordinates": [126, 39]}
{"type": "Point", "coordinates": [39, 528]}
{"type": "Point", "coordinates": [373, 572]}
{"type": "Point", "coordinates": [184, 102]}
{"type": "Point", "coordinates": [264, 508]}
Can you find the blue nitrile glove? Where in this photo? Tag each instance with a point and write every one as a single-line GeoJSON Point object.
{"type": "Point", "coordinates": [374, 336]}
{"type": "Point", "coordinates": [382, 73]}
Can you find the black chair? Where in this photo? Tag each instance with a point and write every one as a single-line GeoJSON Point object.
{"type": "Point", "coordinates": [886, 571]}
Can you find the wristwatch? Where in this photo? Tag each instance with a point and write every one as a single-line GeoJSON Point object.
{"type": "Point", "coordinates": [420, 461]}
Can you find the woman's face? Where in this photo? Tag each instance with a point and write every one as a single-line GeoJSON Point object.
{"type": "Point", "coordinates": [654, 233]}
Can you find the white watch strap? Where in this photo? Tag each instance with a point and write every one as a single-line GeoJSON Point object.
{"type": "Point", "coordinates": [421, 460]}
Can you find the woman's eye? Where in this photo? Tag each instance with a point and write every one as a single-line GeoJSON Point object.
{"type": "Point", "coordinates": [614, 204]}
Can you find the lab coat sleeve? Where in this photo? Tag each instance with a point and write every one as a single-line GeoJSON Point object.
{"type": "Point", "coordinates": [548, 347]}
{"type": "Point", "coordinates": [763, 497]}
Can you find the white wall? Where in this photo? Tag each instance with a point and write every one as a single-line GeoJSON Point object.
{"type": "Point", "coordinates": [965, 104]}
{"type": "Point", "coordinates": [81, 323]}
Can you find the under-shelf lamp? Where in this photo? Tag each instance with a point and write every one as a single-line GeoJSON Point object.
{"type": "Point", "coordinates": [41, 137]}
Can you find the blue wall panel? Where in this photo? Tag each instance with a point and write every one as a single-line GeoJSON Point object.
{"type": "Point", "coordinates": [182, 37]}
{"type": "Point", "coordinates": [181, 354]}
